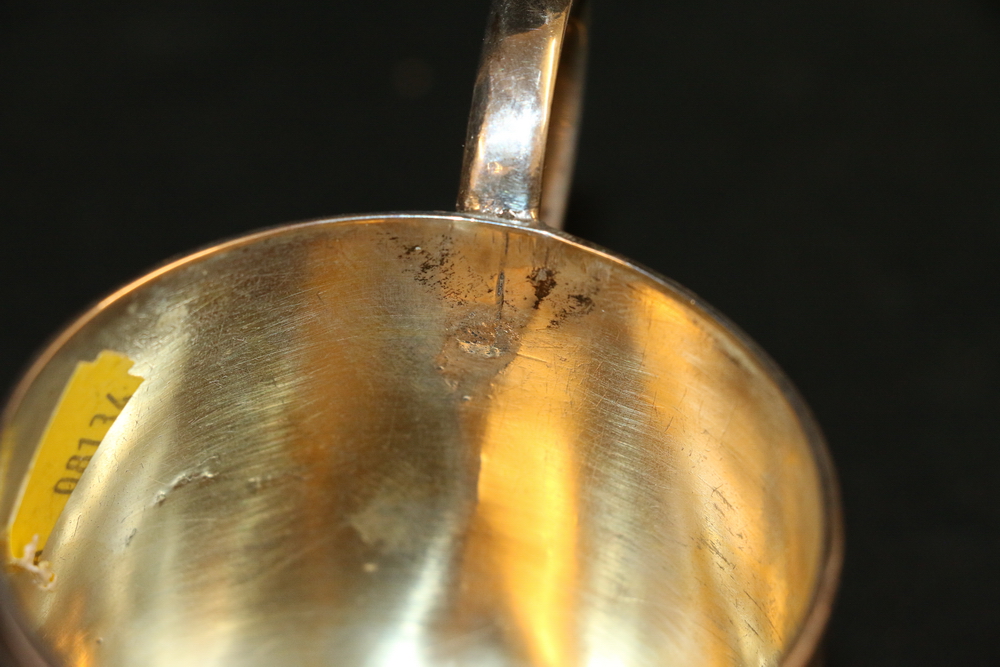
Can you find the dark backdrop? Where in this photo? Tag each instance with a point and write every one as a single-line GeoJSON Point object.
{"type": "Point", "coordinates": [824, 172]}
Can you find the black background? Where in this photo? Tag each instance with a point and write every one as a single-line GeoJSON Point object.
{"type": "Point", "coordinates": [824, 172]}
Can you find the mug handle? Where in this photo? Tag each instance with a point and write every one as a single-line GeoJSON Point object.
{"type": "Point", "coordinates": [523, 125]}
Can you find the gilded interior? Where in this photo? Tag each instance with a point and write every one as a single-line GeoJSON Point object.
{"type": "Point", "coordinates": [426, 441]}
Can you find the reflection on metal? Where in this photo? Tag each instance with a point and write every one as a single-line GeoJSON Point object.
{"type": "Point", "coordinates": [429, 439]}
{"type": "Point", "coordinates": [522, 129]}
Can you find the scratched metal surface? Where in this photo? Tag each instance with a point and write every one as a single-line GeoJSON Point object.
{"type": "Point", "coordinates": [428, 441]}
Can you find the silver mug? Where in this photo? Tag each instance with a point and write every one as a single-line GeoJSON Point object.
{"type": "Point", "coordinates": [421, 439]}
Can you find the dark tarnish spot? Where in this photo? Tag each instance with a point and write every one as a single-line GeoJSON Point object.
{"type": "Point", "coordinates": [543, 280]}
{"type": "Point", "coordinates": [576, 305]}
{"type": "Point", "coordinates": [436, 268]}
{"type": "Point", "coordinates": [432, 263]}
{"type": "Point", "coordinates": [584, 304]}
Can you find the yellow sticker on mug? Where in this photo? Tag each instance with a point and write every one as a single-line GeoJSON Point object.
{"type": "Point", "coordinates": [90, 403]}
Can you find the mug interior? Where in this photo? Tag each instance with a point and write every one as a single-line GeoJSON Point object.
{"type": "Point", "coordinates": [426, 440]}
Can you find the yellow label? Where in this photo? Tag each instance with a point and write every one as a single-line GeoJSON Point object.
{"type": "Point", "coordinates": [90, 403]}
